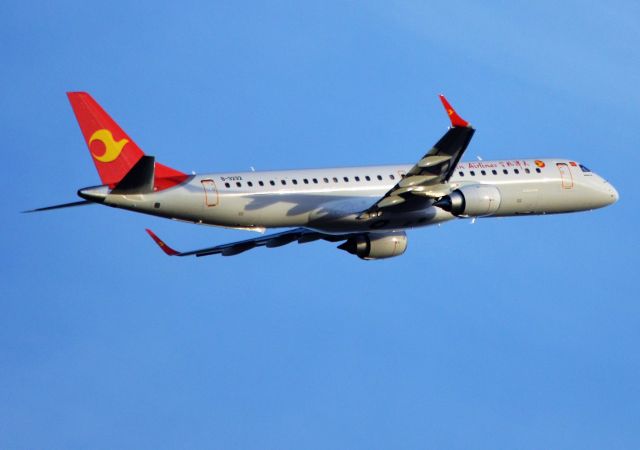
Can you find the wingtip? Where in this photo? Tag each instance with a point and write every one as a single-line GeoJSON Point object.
{"type": "Point", "coordinates": [456, 120]}
{"type": "Point", "coordinates": [164, 247]}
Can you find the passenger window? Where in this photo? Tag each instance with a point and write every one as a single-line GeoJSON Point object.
{"type": "Point", "coordinates": [527, 170]}
{"type": "Point", "coordinates": [483, 172]}
{"type": "Point", "coordinates": [238, 184]}
{"type": "Point", "coordinates": [315, 181]}
{"type": "Point", "coordinates": [326, 180]}
{"type": "Point", "coordinates": [380, 177]}
{"type": "Point", "coordinates": [505, 171]}
{"type": "Point", "coordinates": [250, 183]}
{"type": "Point", "coordinates": [495, 172]}
{"type": "Point", "coordinates": [306, 181]}
{"type": "Point", "coordinates": [227, 185]}
{"type": "Point", "coordinates": [461, 173]}
{"type": "Point", "coordinates": [346, 179]}
{"type": "Point", "coordinates": [356, 178]}
{"type": "Point", "coordinates": [367, 177]}
{"type": "Point", "coordinates": [261, 183]}
{"type": "Point", "coordinates": [335, 180]}
{"type": "Point", "coordinates": [516, 171]}
{"type": "Point", "coordinates": [473, 174]}
{"type": "Point", "coordinates": [294, 181]}
{"type": "Point", "coordinates": [538, 170]}
{"type": "Point", "coordinates": [272, 183]}
{"type": "Point", "coordinates": [283, 182]}
{"type": "Point", "coordinates": [392, 177]}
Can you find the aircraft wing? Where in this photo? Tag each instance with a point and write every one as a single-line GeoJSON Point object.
{"type": "Point", "coordinates": [301, 235]}
{"type": "Point", "coordinates": [428, 177]}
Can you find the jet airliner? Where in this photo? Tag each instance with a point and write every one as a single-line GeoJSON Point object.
{"type": "Point", "coordinates": [366, 209]}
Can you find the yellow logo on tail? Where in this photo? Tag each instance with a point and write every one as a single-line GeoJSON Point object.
{"type": "Point", "coordinates": [112, 148]}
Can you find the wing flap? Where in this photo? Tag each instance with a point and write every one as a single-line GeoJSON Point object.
{"type": "Point", "coordinates": [391, 200]}
{"type": "Point", "coordinates": [433, 160]}
{"type": "Point", "coordinates": [417, 180]}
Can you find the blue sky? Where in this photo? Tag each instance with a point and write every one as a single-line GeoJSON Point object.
{"type": "Point", "coordinates": [510, 333]}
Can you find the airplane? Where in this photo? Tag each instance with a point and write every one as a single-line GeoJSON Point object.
{"type": "Point", "coordinates": [367, 209]}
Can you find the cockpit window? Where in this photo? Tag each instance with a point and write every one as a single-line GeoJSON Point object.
{"type": "Point", "coordinates": [584, 169]}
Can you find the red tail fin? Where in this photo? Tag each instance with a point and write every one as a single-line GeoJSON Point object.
{"type": "Point", "coordinates": [114, 153]}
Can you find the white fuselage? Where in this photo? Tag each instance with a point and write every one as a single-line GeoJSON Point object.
{"type": "Point", "coordinates": [330, 200]}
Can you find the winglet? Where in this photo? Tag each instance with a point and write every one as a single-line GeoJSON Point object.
{"type": "Point", "coordinates": [456, 120]}
{"type": "Point", "coordinates": [165, 248]}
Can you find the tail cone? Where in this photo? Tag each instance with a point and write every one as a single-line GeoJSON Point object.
{"type": "Point", "coordinates": [94, 194]}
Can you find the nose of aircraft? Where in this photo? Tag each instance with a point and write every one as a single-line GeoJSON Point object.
{"type": "Point", "coordinates": [603, 194]}
{"type": "Point", "coordinates": [607, 194]}
{"type": "Point", "coordinates": [613, 193]}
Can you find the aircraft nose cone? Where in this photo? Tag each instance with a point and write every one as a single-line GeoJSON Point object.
{"type": "Point", "coordinates": [608, 195]}
{"type": "Point", "coordinates": [614, 194]}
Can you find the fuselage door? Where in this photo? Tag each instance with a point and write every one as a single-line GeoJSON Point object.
{"type": "Point", "coordinates": [565, 175]}
{"type": "Point", "coordinates": [210, 193]}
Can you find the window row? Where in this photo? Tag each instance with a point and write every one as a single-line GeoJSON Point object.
{"type": "Point", "coordinates": [495, 172]}
{"type": "Point", "coordinates": [325, 180]}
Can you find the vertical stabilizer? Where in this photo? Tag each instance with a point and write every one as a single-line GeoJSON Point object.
{"type": "Point", "coordinates": [113, 152]}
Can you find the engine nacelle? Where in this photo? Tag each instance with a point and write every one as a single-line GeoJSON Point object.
{"type": "Point", "coordinates": [474, 200]}
{"type": "Point", "coordinates": [376, 245]}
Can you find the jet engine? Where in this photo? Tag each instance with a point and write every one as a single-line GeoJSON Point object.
{"type": "Point", "coordinates": [376, 245]}
{"type": "Point", "coordinates": [475, 200]}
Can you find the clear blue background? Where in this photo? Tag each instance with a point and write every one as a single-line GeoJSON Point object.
{"type": "Point", "coordinates": [510, 333]}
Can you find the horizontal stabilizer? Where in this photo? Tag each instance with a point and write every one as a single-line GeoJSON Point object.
{"type": "Point", "coordinates": [63, 205]}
